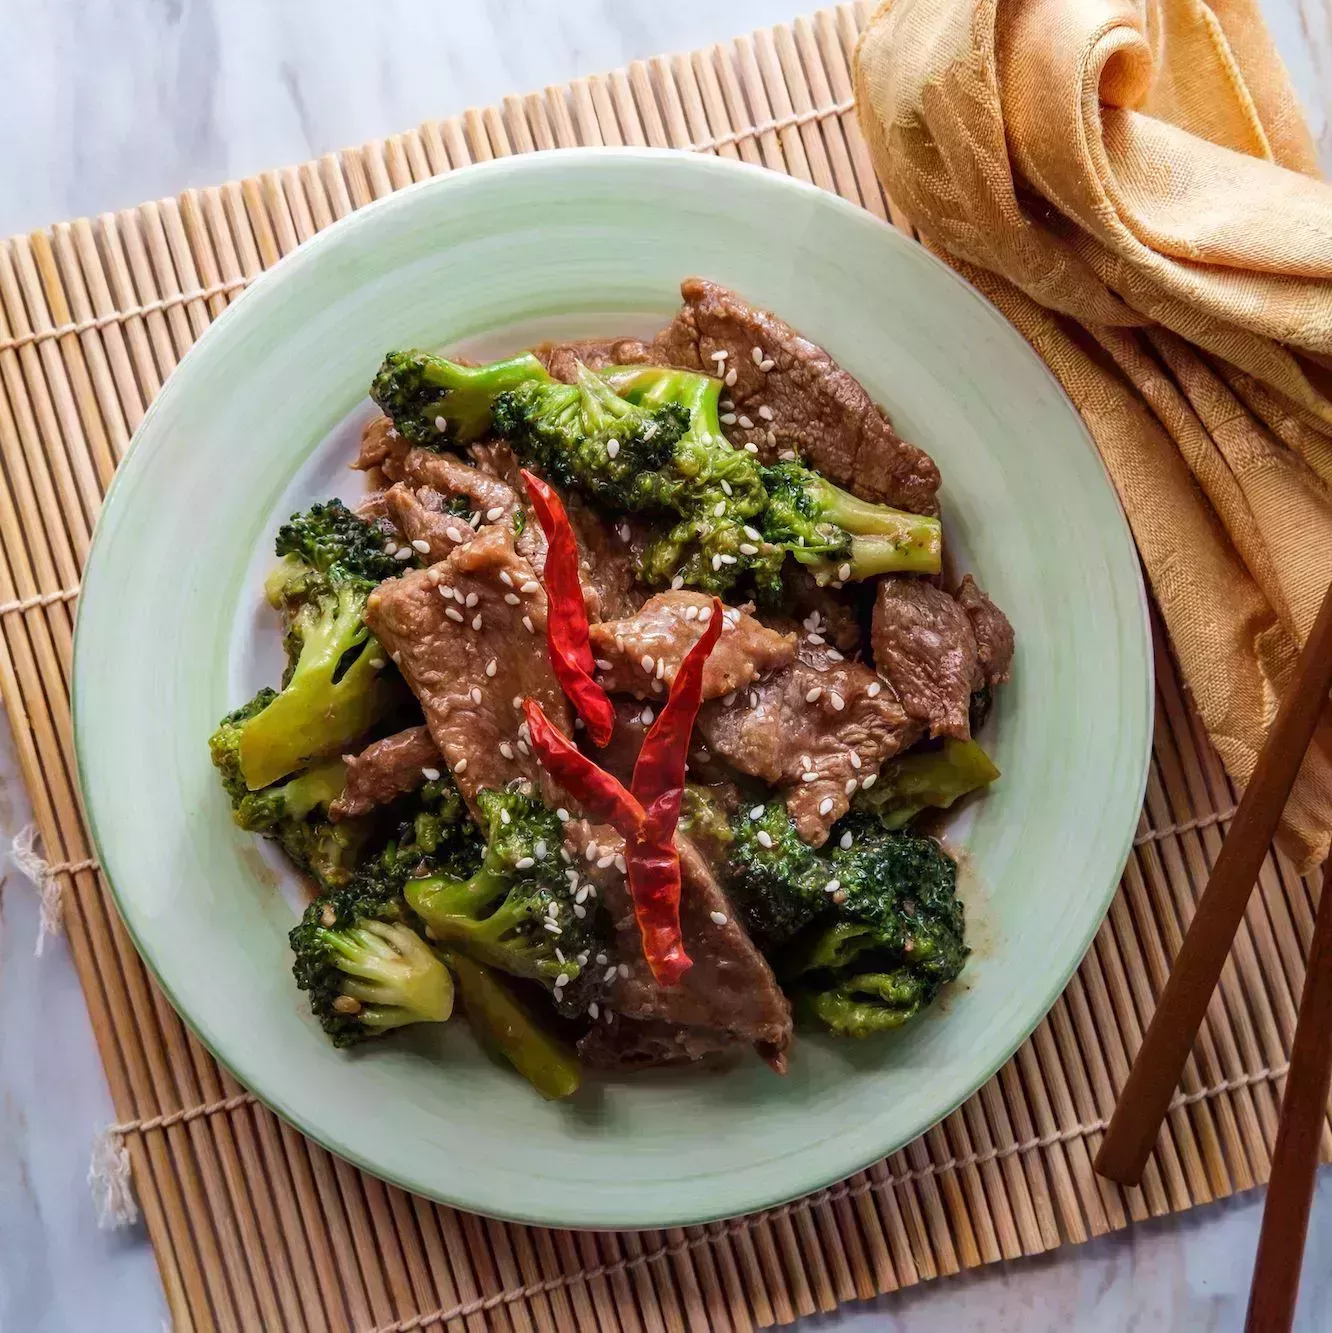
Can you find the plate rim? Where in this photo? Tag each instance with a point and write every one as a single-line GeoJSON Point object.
{"type": "Point", "coordinates": [286, 270]}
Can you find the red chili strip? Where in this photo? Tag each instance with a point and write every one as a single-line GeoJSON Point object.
{"type": "Point", "coordinates": [647, 814]}
{"type": "Point", "coordinates": [566, 615]}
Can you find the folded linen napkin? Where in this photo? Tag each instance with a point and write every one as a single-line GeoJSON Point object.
{"type": "Point", "coordinates": [1133, 185]}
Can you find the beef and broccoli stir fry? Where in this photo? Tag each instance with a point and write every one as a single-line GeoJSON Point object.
{"type": "Point", "coordinates": [612, 714]}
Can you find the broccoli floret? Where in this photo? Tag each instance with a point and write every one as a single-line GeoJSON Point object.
{"type": "Point", "coordinates": [365, 968]}
{"type": "Point", "coordinates": [330, 534]}
{"type": "Point", "coordinates": [585, 436]}
{"type": "Point", "coordinates": [715, 489]}
{"type": "Point", "coordinates": [778, 880]}
{"type": "Point", "coordinates": [926, 779]}
{"type": "Point", "coordinates": [224, 744]}
{"type": "Point", "coordinates": [517, 912]}
{"type": "Point", "coordinates": [841, 537]}
{"type": "Point", "coordinates": [432, 835]}
{"type": "Point", "coordinates": [501, 1020]}
{"type": "Point", "coordinates": [894, 936]}
{"type": "Point", "coordinates": [435, 402]}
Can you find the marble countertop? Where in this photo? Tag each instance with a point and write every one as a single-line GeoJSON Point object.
{"type": "Point", "coordinates": [104, 103]}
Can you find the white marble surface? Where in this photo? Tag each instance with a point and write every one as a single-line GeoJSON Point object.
{"type": "Point", "coordinates": [104, 103]}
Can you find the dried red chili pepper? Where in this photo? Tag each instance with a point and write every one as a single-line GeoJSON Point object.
{"type": "Point", "coordinates": [646, 815]}
{"type": "Point", "coordinates": [566, 615]}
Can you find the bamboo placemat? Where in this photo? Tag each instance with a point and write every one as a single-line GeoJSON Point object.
{"type": "Point", "coordinates": [256, 1228]}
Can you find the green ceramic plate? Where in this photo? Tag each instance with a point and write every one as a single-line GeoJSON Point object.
{"type": "Point", "coordinates": [259, 419]}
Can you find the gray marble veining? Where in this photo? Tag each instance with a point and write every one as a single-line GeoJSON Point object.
{"type": "Point", "coordinates": [104, 103]}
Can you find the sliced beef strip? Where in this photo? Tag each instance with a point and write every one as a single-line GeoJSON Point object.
{"type": "Point", "coordinates": [994, 635]}
{"type": "Point", "coordinates": [606, 562]}
{"type": "Point", "coordinates": [828, 612]}
{"type": "Point", "coordinates": [374, 509]}
{"type": "Point", "coordinates": [561, 359]}
{"type": "Point", "coordinates": [492, 498]}
{"type": "Point", "coordinates": [631, 726]}
{"type": "Point", "coordinates": [381, 447]}
{"type": "Point", "coordinates": [385, 770]}
{"type": "Point", "coordinates": [423, 516]}
{"type": "Point", "coordinates": [448, 650]}
{"type": "Point", "coordinates": [925, 648]}
{"type": "Point", "coordinates": [729, 991]}
{"type": "Point", "coordinates": [641, 655]}
{"type": "Point", "coordinates": [824, 716]}
{"type": "Point", "coordinates": [818, 409]}
{"type": "Point", "coordinates": [632, 1043]}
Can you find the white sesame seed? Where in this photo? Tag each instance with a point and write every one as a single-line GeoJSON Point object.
{"type": "Point", "coordinates": [524, 731]}
{"type": "Point", "coordinates": [691, 613]}
{"type": "Point", "coordinates": [611, 973]}
{"type": "Point", "coordinates": [661, 668]}
{"type": "Point", "coordinates": [559, 954]}
{"type": "Point", "coordinates": [506, 749]}
{"type": "Point", "coordinates": [647, 662]}
{"type": "Point", "coordinates": [810, 776]}
{"type": "Point", "coordinates": [753, 534]}
{"type": "Point", "coordinates": [625, 532]}
{"type": "Point", "coordinates": [377, 664]}
{"type": "Point", "coordinates": [504, 816]}
{"type": "Point", "coordinates": [764, 837]}
{"type": "Point", "coordinates": [844, 572]}
{"type": "Point", "coordinates": [528, 626]}
{"type": "Point", "coordinates": [562, 815]}
{"type": "Point", "coordinates": [455, 534]}
{"type": "Point", "coordinates": [727, 418]}
{"type": "Point", "coordinates": [602, 960]}
{"type": "Point", "coordinates": [591, 851]}
{"type": "Point", "coordinates": [524, 863]}
{"type": "Point", "coordinates": [506, 578]}
{"type": "Point", "coordinates": [867, 783]}
{"type": "Point", "coordinates": [677, 582]}
{"type": "Point", "coordinates": [726, 486]}
{"type": "Point", "coordinates": [512, 598]}
{"type": "Point", "coordinates": [530, 586]}
{"type": "Point", "coordinates": [765, 412]}
{"type": "Point", "coordinates": [826, 805]}
{"type": "Point", "coordinates": [766, 364]}
{"type": "Point", "coordinates": [756, 812]}
{"type": "Point", "coordinates": [471, 600]}
{"type": "Point", "coordinates": [422, 546]}
{"type": "Point", "coordinates": [731, 377]}
{"type": "Point", "coordinates": [836, 700]}
{"type": "Point", "coordinates": [460, 766]}
{"type": "Point", "coordinates": [476, 621]}
{"type": "Point", "coordinates": [624, 969]}
{"type": "Point", "coordinates": [757, 354]}
{"type": "Point", "coordinates": [851, 786]}
{"type": "Point", "coordinates": [787, 455]}
{"type": "Point", "coordinates": [873, 689]}
{"type": "Point", "coordinates": [580, 911]}
{"type": "Point", "coordinates": [592, 1010]}
{"type": "Point", "coordinates": [728, 699]}
{"type": "Point", "coordinates": [491, 667]}
{"type": "Point", "coordinates": [718, 918]}
{"type": "Point", "coordinates": [646, 716]}
{"type": "Point", "coordinates": [441, 425]}
{"type": "Point", "coordinates": [815, 638]}
{"type": "Point", "coordinates": [553, 909]}
{"type": "Point", "coordinates": [602, 664]}
{"type": "Point", "coordinates": [812, 694]}
{"type": "Point", "coordinates": [832, 886]}
{"type": "Point", "coordinates": [854, 758]}
{"type": "Point", "coordinates": [746, 422]}
{"type": "Point", "coordinates": [434, 576]}
{"type": "Point", "coordinates": [719, 509]}
{"type": "Point", "coordinates": [517, 702]}
{"type": "Point", "coordinates": [751, 447]}
{"type": "Point", "coordinates": [753, 699]}
{"type": "Point", "coordinates": [523, 748]}
{"type": "Point", "coordinates": [704, 614]}
{"type": "Point", "coordinates": [604, 861]}
{"type": "Point", "coordinates": [552, 926]}
{"type": "Point", "coordinates": [847, 840]}
{"type": "Point", "coordinates": [806, 762]}
{"type": "Point", "coordinates": [748, 548]}
{"type": "Point", "coordinates": [720, 354]}
{"type": "Point", "coordinates": [834, 656]}
{"type": "Point", "coordinates": [581, 894]}
{"type": "Point", "coordinates": [621, 864]}
{"type": "Point", "coordinates": [725, 403]}
{"type": "Point", "coordinates": [403, 553]}
{"type": "Point", "coordinates": [453, 614]}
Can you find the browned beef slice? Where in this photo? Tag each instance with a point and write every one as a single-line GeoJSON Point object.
{"type": "Point", "coordinates": [492, 498]}
{"type": "Point", "coordinates": [385, 770]}
{"type": "Point", "coordinates": [423, 518]}
{"type": "Point", "coordinates": [381, 447]}
{"type": "Point", "coordinates": [447, 647]}
{"type": "Point", "coordinates": [561, 359]}
{"type": "Point", "coordinates": [730, 990]}
{"type": "Point", "coordinates": [631, 1043]}
{"type": "Point", "coordinates": [606, 562]}
{"type": "Point", "coordinates": [496, 459]}
{"type": "Point", "coordinates": [374, 509]}
{"type": "Point", "coordinates": [822, 716]}
{"type": "Point", "coordinates": [818, 409]}
{"type": "Point", "coordinates": [994, 635]}
{"type": "Point", "coordinates": [828, 612]}
{"type": "Point", "coordinates": [641, 655]}
{"type": "Point", "coordinates": [924, 647]}
{"type": "Point", "coordinates": [631, 725]}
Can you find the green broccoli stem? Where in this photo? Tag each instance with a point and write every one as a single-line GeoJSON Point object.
{"type": "Point", "coordinates": [927, 779]}
{"type": "Point", "coordinates": [655, 386]}
{"type": "Point", "coordinates": [449, 906]}
{"type": "Point", "coordinates": [501, 1021]}
{"type": "Point", "coordinates": [872, 1002]}
{"type": "Point", "coordinates": [915, 548]}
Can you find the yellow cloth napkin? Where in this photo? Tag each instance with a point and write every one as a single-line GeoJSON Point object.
{"type": "Point", "coordinates": [1132, 184]}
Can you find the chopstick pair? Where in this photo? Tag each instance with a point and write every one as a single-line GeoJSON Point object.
{"type": "Point", "coordinates": [1156, 1070]}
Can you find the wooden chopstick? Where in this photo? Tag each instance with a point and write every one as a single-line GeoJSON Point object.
{"type": "Point", "coordinates": [1276, 1274]}
{"type": "Point", "coordinates": [1156, 1070]}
